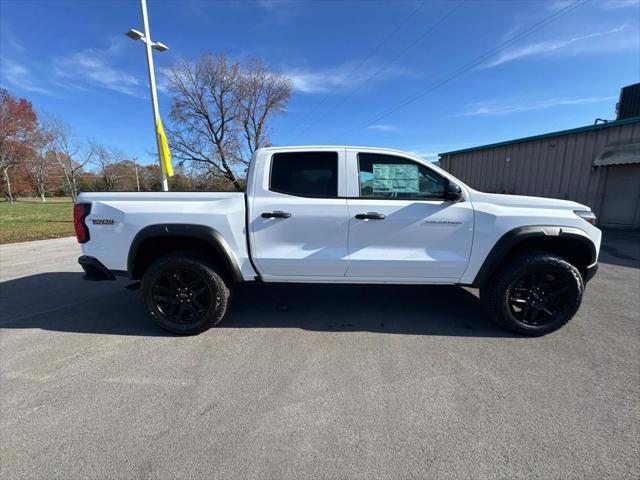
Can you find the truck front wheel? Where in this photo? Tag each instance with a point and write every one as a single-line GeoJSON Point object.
{"type": "Point", "coordinates": [534, 293]}
{"type": "Point", "coordinates": [184, 295]}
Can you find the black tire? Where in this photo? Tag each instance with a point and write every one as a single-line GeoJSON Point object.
{"type": "Point", "coordinates": [535, 293]}
{"type": "Point", "coordinates": [184, 295]}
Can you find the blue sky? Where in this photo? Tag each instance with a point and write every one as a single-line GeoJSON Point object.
{"type": "Point", "coordinates": [352, 63]}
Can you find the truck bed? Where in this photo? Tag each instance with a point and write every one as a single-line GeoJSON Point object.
{"type": "Point", "coordinates": [117, 217]}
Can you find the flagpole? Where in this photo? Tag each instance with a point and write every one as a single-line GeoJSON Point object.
{"type": "Point", "coordinates": [154, 95]}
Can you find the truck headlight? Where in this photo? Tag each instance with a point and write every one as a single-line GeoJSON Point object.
{"type": "Point", "coordinates": [587, 215]}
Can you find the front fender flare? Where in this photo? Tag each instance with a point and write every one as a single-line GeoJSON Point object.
{"type": "Point", "coordinates": [518, 235]}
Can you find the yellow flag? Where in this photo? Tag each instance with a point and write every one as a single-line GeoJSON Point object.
{"type": "Point", "coordinates": [165, 153]}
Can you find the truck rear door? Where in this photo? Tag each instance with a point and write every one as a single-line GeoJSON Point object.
{"type": "Point", "coordinates": [298, 222]}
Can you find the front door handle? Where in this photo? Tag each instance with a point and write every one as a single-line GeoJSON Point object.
{"type": "Point", "coordinates": [276, 214]}
{"type": "Point", "coordinates": [371, 216]}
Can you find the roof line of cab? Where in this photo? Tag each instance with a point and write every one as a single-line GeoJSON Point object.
{"type": "Point", "coordinates": [350, 147]}
{"type": "Point", "coordinates": [346, 147]}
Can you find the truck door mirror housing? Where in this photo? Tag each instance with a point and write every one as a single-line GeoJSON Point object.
{"type": "Point", "coordinates": [452, 192]}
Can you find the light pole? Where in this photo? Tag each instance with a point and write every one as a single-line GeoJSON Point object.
{"type": "Point", "coordinates": [146, 38]}
{"type": "Point", "coordinates": [135, 165]}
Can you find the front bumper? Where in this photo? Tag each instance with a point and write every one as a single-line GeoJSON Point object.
{"type": "Point", "coordinates": [590, 271]}
{"type": "Point", "coordinates": [94, 270]}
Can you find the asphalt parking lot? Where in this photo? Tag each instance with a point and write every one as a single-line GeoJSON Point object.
{"type": "Point", "coordinates": [313, 381]}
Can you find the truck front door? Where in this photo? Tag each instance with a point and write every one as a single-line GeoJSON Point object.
{"type": "Point", "coordinates": [401, 226]}
{"type": "Point", "coordinates": [298, 219]}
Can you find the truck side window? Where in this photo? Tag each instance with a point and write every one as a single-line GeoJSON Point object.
{"type": "Point", "coordinates": [305, 174]}
{"type": "Point", "coordinates": [386, 176]}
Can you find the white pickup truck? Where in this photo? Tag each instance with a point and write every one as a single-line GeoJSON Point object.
{"type": "Point", "coordinates": [342, 215]}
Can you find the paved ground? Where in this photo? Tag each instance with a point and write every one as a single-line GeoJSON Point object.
{"type": "Point", "coordinates": [313, 382]}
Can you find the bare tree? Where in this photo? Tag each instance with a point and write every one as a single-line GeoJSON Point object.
{"type": "Point", "coordinates": [221, 111]}
{"type": "Point", "coordinates": [41, 171]}
{"type": "Point", "coordinates": [111, 165]}
{"type": "Point", "coordinates": [261, 94]}
{"type": "Point", "coordinates": [71, 154]}
{"type": "Point", "coordinates": [18, 130]}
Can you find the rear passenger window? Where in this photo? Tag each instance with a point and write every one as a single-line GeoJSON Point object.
{"type": "Point", "coordinates": [305, 174]}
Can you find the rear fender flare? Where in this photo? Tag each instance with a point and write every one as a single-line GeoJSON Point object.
{"type": "Point", "coordinates": [201, 232]}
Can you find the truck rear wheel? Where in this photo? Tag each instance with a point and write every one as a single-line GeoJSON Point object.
{"type": "Point", "coordinates": [534, 294]}
{"type": "Point", "coordinates": [184, 295]}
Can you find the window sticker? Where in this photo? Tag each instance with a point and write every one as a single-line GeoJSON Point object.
{"type": "Point", "coordinates": [394, 178]}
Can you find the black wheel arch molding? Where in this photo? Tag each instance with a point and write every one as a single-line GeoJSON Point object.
{"type": "Point", "coordinates": [518, 236]}
{"type": "Point", "coordinates": [184, 230]}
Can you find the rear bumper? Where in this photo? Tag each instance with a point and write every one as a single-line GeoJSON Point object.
{"type": "Point", "coordinates": [94, 270]}
{"type": "Point", "coordinates": [590, 272]}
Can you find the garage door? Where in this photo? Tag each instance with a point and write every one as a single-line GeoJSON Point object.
{"type": "Point", "coordinates": [621, 196]}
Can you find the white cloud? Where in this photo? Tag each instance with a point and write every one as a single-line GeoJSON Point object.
{"type": "Point", "coordinates": [432, 151]}
{"type": "Point", "coordinates": [340, 79]}
{"type": "Point", "coordinates": [615, 4]}
{"type": "Point", "coordinates": [96, 67]}
{"type": "Point", "coordinates": [19, 76]}
{"type": "Point", "coordinates": [309, 82]}
{"type": "Point", "coordinates": [571, 46]}
{"type": "Point", "coordinates": [380, 127]}
{"type": "Point", "coordinates": [605, 4]}
{"type": "Point", "coordinates": [431, 156]}
{"type": "Point", "coordinates": [554, 5]}
{"type": "Point", "coordinates": [8, 38]}
{"type": "Point", "coordinates": [271, 5]}
{"type": "Point", "coordinates": [497, 108]}
{"type": "Point", "coordinates": [162, 80]}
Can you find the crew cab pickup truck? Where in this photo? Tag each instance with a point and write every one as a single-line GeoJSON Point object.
{"type": "Point", "coordinates": [342, 215]}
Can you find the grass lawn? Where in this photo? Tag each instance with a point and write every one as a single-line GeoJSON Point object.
{"type": "Point", "coordinates": [30, 219]}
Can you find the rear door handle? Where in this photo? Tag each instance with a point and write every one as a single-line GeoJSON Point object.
{"type": "Point", "coordinates": [276, 214]}
{"type": "Point", "coordinates": [371, 216]}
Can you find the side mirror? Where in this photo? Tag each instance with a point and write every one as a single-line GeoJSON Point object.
{"type": "Point", "coordinates": [452, 192]}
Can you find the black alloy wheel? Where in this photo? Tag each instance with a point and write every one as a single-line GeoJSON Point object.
{"type": "Point", "coordinates": [538, 297]}
{"type": "Point", "coordinates": [533, 293]}
{"type": "Point", "coordinates": [185, 294]}
{"type": "Point", "coordinates": [182, 295]}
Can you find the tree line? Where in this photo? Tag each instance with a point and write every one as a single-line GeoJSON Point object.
{"type": "Point", "coordinates": [220, 113]}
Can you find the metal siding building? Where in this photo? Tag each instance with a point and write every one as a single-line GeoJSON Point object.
{"type": "Point", "coordinates": [598, 166]}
